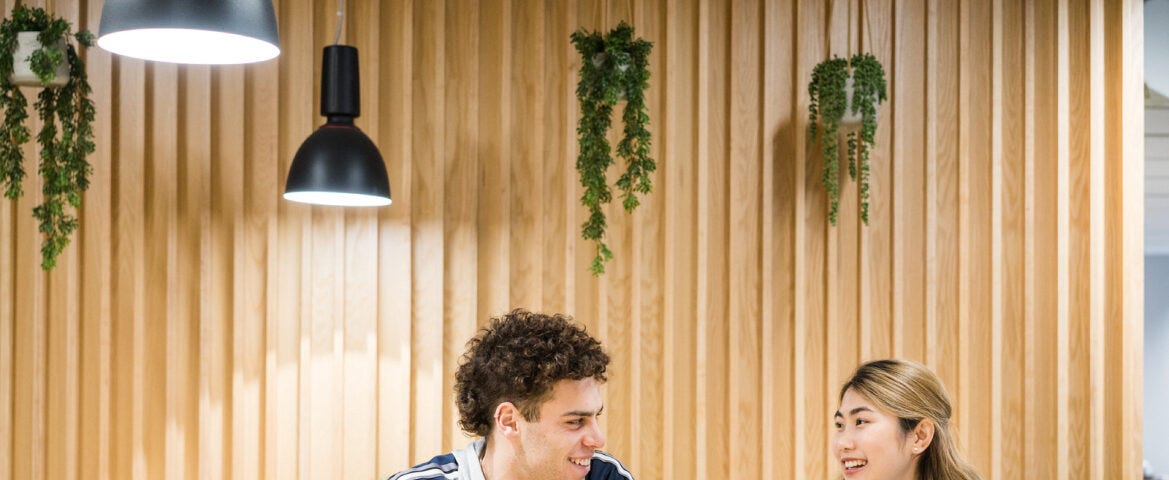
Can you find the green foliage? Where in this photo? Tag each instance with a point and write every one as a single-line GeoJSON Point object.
{"type": "Point", "coordinates": [827, 107]}
{"type": "Point", "coordinates": [66, 135]}
{"type": "Point", "coordinates": [613, 66]}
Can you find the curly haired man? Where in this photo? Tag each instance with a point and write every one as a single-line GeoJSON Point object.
{"type": "Point", "coordinates": [529, 387]}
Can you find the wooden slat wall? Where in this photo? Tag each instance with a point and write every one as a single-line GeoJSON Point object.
{"type": "Point", "coordinates": [202, 327]}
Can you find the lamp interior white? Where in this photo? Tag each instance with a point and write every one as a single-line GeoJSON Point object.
{"type": "Point", "coordinates": [180, 45]}
{"type": "Point", "coordinates": [338, 199]}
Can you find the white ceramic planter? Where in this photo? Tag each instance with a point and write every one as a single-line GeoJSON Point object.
{"type": "Point", "coordinates": [22, 74]}
{"type": "Point", "coordinates": [849, 119]}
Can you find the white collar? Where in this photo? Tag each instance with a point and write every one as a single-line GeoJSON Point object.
{"type": "Point", "coordinates": [468, 459]}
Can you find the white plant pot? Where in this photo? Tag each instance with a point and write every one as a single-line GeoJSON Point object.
{"type": "Point", "coordinates": [849, 119]}
{"type": "Point", "coordinates": [22, 74]}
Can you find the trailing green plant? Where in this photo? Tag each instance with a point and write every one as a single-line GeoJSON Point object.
{"type": "Point", "coordinates": [613, 66]}
{"type": "Point", "coordinates": [66, 135]}
{"type": "Point", "coordinates": [825, 110]}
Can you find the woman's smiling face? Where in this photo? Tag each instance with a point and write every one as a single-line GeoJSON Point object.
{"type": "Point", "coordinates": [870, 443]}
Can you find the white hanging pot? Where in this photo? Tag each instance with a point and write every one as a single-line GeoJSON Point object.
{"type": "Point", "coordinates": [849, 119]}
{"type": "Point", "coordinates": [22, 74]}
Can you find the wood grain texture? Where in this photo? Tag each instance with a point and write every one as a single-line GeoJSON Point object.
{"type": "Point", "coordinates": [201, 327]}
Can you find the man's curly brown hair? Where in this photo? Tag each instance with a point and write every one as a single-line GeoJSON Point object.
{"type": "Point", "coordinates": [519, 358]}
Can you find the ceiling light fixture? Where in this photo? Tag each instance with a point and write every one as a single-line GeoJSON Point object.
{"type": "Point", "coordinates": [338, 164]}
{"type": "Point", "coordinates": [184, 31]}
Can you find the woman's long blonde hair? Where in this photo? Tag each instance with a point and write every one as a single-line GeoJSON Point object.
{"type": "Point", "coordinates": [912, 392]}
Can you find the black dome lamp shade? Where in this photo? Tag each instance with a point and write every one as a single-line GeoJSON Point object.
{"type": "Point", "coordinates": [190, 31]}
{"type": "Point", "coordinates": [338, 164]}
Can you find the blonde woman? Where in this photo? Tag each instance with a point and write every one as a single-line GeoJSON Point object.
{"type": "Point", "coordinates": [894, 424]}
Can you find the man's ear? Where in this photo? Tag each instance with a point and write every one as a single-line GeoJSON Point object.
{"type": "Point", "coordinates": [923, 435]}
{"type": "Point", "coordinates": [507, 418]}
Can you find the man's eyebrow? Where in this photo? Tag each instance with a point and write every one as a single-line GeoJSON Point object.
{"type": "Point", "coordinates": [583, 413]}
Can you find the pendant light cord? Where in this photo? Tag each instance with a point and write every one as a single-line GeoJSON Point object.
{"type": "Point", "coordinates": [340, 17]}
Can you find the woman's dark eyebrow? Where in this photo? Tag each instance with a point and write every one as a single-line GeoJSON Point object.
{"type": "Point", "coordinates": [853, 411]}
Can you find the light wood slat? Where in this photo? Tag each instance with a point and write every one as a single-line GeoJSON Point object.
{"type": "Point", "coordinates": [584, 297]}
{"type": "Point", "coordinates": [677, 150]}
{"type": "Point", "coordinates": [394, 245]}
{"type": "Point", "coordinates": [298, 116]}
{"type": "Point", "coordinates": [192, 184]}
{"type": "Point", "coordinates": [943, 350]}
{"type": "Point", "coordinates": [1096, 175]}
{"type": "Point", "coordinates": [614, 293]}
{"type": "Point", "coordinates": [1046, 340]}
{"type": "Point", "coordinates": [1080, 305]}
{"type": "Point", "coordinates": [910, 148]}
{"type": "Point", "coordinates": [128, 285]}
{"type": "Point", "coordinates": [997, 240]}
{"type": "Point", "coordinates": [359, 346]}
{"type": "Point", "coordinates": [558, 154]}
{"type": "Point", "coordinates": [1015, 246]}
{"type": "Point", "coordinates": [843, 334]}
{"type": "Point", "coordinates": [1125, 169]}
{"type": "Point", "coordinates": [7, 333]}
{"type": "Point", "coordinates": [1030, 309]}
{"type": "Point", "coordinates": [1063, 243]}
{"type": "Point", "coordinates": [8, 419]}
{"type": "Point", "coordinates": [713, 247]}
{"type": "Point", "coordinates": [242, 320]}
{"type": "Point", "coordinates": [461, 177]}
{"type": "Point", "coordinates": [30, 343]}
{"type": "Point", "coordinates": [930, 230]}
{"type": "Point", "coordinates": [217, 311]}
{"type": "Point", "coordinates": [427, 226]}
{"type": "Point", "coordinates": [875, 299]}
{"type": "Point", "coordinates": [977, 335]}
{"type": "Point", "coordinates": [779, 218]}
{"type": "Point", "coordinates": [810, 329]}
{"type": "Point", "coordinates": [745, 241]}
{"type": "Point", "coordinates": [524, 115]}
{"type": "Point", "coordinates": [647, 407]}
{"type": "Point", "coordinates": [255, 260]}
{"type": "Point", "coordinates": [161, 196]}
{"type": "Point", "coordinates": [27, 342]}
{"type": "Point", "coordinates": [63, 349]}
{"type": "Point", "coordinates": [496, 155]}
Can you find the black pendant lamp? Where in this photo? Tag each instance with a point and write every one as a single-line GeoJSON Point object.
{"type": "Point", "coordinates": [190, 31]}
{"type": "Point", "coordinates": [338, 164]}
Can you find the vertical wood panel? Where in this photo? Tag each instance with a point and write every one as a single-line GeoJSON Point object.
{"type": "Point", "coordinates": [427, 226]}
{"type": "Point", "coordinates": [461, 174]}
{"type": "Point", "coordinates": [161, 261]}
{"type": "Point", "coordinates": [1014, 249]}
{"type": "Point", "coordinates": [395, 272]}
{"type": "Point", "coordinates": [64, 353]}
{"type": "Point", "coordinates": [1080, 238]}
{"type": "Point", "coordinates": [647, 395]}
{"type": "Point", "coordinates": [778, 222]}
{"type": "Point", "coordinates": [678, 147]}
{"type": "Point", "coordinates": [744, 242]}
{"type": "Point", "coordinates": [713, 232]}
{"type": "Point", "coordinates": [494, 213]}
{"type": "Point", "coordinates": [202, 327]}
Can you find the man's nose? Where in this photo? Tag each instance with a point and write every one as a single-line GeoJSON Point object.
{"type": "Point", "coordinates": [594, 438]}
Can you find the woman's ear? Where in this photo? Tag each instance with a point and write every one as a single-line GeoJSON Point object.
{"type": "Point", "coordinates": [923, 435]}
{"type": "Point", "coordinates": [507, 417]}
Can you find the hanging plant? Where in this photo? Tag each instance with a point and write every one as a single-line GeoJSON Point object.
{"type": "Point", "coordinates": [830, 91]}
{"type": "Point", "coordinates": [66, 113]}
{"type": "Point", "coordinates": [613, 67]}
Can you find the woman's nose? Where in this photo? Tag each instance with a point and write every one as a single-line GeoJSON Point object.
{"type": "Point", "coordinates": [841, 443]}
